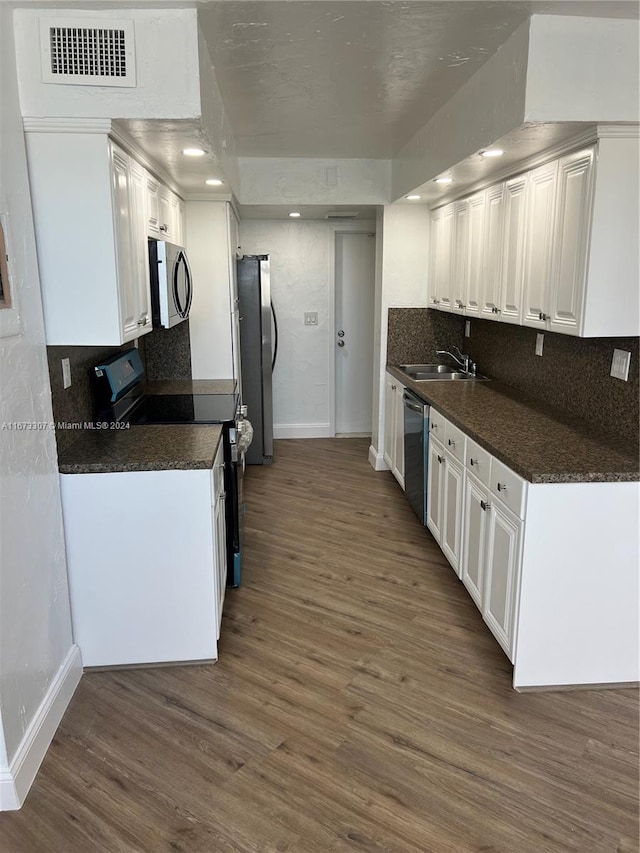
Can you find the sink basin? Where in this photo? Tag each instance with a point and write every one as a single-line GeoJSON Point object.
{"type": "Point", "coordinates": [438, 373]}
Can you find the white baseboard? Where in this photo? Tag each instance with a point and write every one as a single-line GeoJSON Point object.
{"type": "Point", "coordinates": [17, 778]}
{"type": "Point", "coordinates": [376, 460]}
{"type": "Point", "coordinates": [302, 431]}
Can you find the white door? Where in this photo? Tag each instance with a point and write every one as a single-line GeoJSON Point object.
{"type": "Point", "coordinates": [473, 298]}
{"type": "Point", "coordinates": [515, 212]}
{"type": "Point", "coordinates": [355, 290]}
{"type": "Point", "coordinates": [492, 256]}
{"type": "Point", "coordinates": [539, 244]}
{"type": "Point", "coordinates": [502, 568]}
{"type": "Point", "coordinates": [476, 501]}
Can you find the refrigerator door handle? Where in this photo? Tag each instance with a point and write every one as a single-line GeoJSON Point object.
{"type": "Point", "coordinates": [275, 342]}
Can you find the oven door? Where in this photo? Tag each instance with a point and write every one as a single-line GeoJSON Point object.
{"type": "Point", "coordinates": [234, 470]}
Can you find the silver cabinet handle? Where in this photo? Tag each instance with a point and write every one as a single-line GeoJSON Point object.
{"type": "Point", "coordinates": [164, 228]}
{"type": "Point", "coordinates": [434, 426]}
{"type": "Point", "coordinates": [340, 343]}
{"type": "Point", "coordinates": [472, 461]}
{"type": "Point", "coordinates": [341, 334]}
{"type": "Point", "coordinates": [543, 316]}
{"type": "Point", "coordinates": [393, 387]}
{"type": "Point", "coordinates": [451, 443]}
{"type": "Point", "coordinates": [502, 487]}
{"type": "Point", "coordinates": [485, 506]}
{"type": "Point", "coordinates": [439, 458]}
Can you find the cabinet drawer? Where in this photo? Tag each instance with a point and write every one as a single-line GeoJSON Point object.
{"type": "Point", "coordinates": [509, 487]}
{"type": "Point", "coordinates": [478, 461]}
{"type": "Point", "coordinates": [437, 425]}
{"type": "Point", "coordinates": [455, 441]}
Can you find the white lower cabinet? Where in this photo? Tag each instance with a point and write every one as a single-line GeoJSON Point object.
{"type": "Point", "coordinates": [435, 478]}
{"type": "Point", "coordinates": [553, 567]}
{"type": "Point", "coordinates": [502, 572]}
{"type": "Point", "coordinates": [394, 428]}
{"type": "Point", "coordinates": [151, 591]}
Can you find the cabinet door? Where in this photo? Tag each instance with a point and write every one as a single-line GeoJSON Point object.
{"type": "Point", "coordinates": [570, 244]}
{"type": "Point", "coordinates": [502, 575]}
{"type": "Point", "coordinates": [515, 215]}
{"type": "Point", "coordinates": [398, 454]}
{"type": "Point", "coordinates": [435, 238]}
{"type": "Point", "coordinates": [538, 244]}
{"type": "Point", "coordinates": [460, 260]}
{"type": "Point", "coordinates": [451, 519]}
{"type": "Point", "coordinates": [434, 488]}
{"type": "Point", "coordinates": [492, 250]}
{"type": "Point", "coordinates": [474, 535]}
{"type": "Point", "coordinates": [175, 219]}
{"type": "Point", "coordinates": [124, 226]}
{"type": "Point", "coordinates": [140, 254]}
{"type": "Point", "coordinates": [390, 387]}
{"type": "Point", "coordinates": [445, 258]}
{"type": "Point", "coordinates": [233, 248]}
{"type": "Point", "coordinates": [164, 205]}
{"type": "Point", "coordinates": [153, 206]}
{"type": "Point", "coordinates": [473, 297]}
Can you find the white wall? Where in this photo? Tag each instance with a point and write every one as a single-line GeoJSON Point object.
{"type": "Point", "coordinates": [167, 84]}
{"type": "Point", "coordinates": [583, 69]}
{"type": "Point", "coordinates": [271, 180]}
{"type": "Point", "coordinates": [207, 243]}
{"type": "Point", "coordinates": [403, 245]}
{"type": "Point", "coordinates": [489, 105]}
{"type": "Point", "coordinates": [36, 649]}
{"type": "Point", "coordinates": [301, 280]}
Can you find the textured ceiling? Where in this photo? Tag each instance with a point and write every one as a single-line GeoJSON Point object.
{"type": "Point", "coordinates": [315, 78]}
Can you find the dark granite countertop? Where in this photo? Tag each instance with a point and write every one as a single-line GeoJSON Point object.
{"type": "Point", "coordinates": [191, 386]}
{"type": "Point", "coordinates": [533, 440]}
{"type": "Point", "coordinates": [142, 448]}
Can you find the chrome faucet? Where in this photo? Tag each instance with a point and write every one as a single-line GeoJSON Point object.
{"type": "Point", "coordinates": [465, 361]}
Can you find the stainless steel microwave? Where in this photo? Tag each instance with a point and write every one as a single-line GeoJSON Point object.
{"type": "Point", "coordinates": [171, 283]}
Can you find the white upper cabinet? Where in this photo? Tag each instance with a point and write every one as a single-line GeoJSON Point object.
{"type": "Point", "coordinates": [555, 248]}
{"type": "Point", "coordinates": [442, 235]}
{"type": "Point", "coordinates": [572, 225]}
{"type": "Point", "coordinates": [492, 249]}
{"type": "Point", "coordinates": [473, 296]}
{"type": "Point", "coordinates": [539, 244]}
{"type": "Point", "coordinates": [153, 206]}
{"type": "Point", "coordinates": [88, 204]}
{"type": "Point", "coordinates": [460, 278]}
{"type": "Point", "coordinates": [515, 219]}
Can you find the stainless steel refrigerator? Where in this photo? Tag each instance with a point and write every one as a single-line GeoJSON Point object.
{"type": "Point", "coordinates": [258, 350]}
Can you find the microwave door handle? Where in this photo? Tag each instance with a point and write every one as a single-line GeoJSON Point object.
{"type": "Point", "coordinates": [183, 310]}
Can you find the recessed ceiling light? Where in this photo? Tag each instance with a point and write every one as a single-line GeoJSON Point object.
{"type": "Point", "coordinates": [213, 182]}
{"type": "Point", "coordinates": [444, 180]}
{"type": "Point", "coordinates": [193, 152]}
{"type": "Point", "coordinates": [294, 214]}
{"type": "Point", "coordinates": [413, 198]}
{"type": "Point", "coordinates": [492, 152]}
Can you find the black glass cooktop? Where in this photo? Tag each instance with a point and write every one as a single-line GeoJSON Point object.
{"type": "Point", "coordinates": [185, 409]}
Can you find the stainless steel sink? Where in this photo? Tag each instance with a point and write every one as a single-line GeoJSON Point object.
{"type": "Point", "coordinates": [438, 373]}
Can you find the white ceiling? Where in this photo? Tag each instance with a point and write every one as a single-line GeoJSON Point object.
{"type": "Point", "coordinates": [347, 78]}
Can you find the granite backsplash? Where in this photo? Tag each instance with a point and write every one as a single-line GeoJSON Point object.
{"type": "Point", "coordinates": [414, 334]}
{"type": "Point", "coordinates": [168, 353]}
{"type": "Point", "coordinates": [165, 354]}
{"type": "Point", "coordinates": [572, 376]}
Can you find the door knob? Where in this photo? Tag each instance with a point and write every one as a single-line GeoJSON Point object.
{"type": "Point", "coordinates": [341, 334]}
{"type": "Point", "coordinates": [340, 343]}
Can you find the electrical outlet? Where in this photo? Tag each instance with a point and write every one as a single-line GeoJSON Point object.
{"type": "Point", "coordinates": [66, 373]}
{"type": "Point", "coordinates": [620, 364]}
{"type": "Point", "coordinates": [539, 343]}
{"type": "Point", "coordinates": [467, 328]}
{"type": "Point", "coordinates": [311, 318]}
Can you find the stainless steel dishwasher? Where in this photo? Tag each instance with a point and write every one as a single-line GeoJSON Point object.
{"type": "Point", "coordinates": [416, 452]}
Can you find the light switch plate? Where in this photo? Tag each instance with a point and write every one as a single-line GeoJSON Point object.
{"type": "Point", "coordinates": [620, 364]}
{"type": "Point", "coordinates": [539, 343]}
{"type": "Point", "coordinates": [66, 373]}
{"type": "Point", "coordinates": [311, 318]}
{"type": "Point", "coordinates": [467, 328]}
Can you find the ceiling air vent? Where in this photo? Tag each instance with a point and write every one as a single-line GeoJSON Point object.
{"type": "Point", "coordinates": [94, 52]}
{"type": "Point", "coordinates": [341, 214]}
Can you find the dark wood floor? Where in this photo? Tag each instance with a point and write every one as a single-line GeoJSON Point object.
{"type": "Point", "coordinates": [359, 704]}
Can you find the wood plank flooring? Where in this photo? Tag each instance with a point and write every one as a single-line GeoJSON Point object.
{"type": "Point", "coordinates": [359, 704]}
